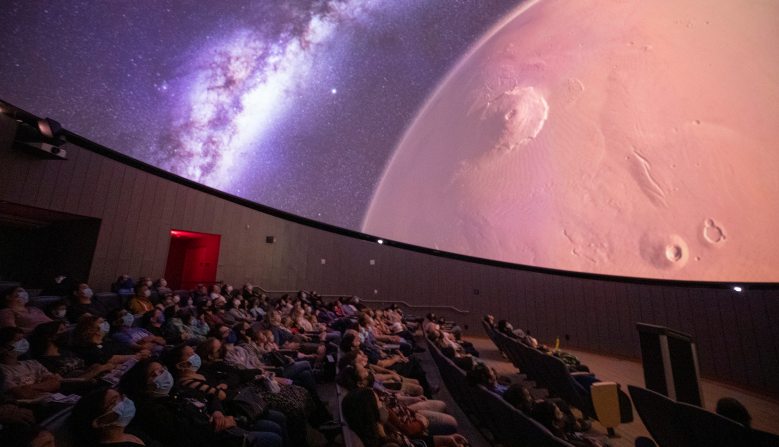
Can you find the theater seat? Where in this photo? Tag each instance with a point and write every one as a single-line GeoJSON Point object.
{"type": "Point", "coordinates": [657, 413]}
{"type": "Point", "coordinates": [707, 429]}
{"type": "Point", "coordinates": [605, 401]}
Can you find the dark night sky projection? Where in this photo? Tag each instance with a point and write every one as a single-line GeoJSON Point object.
{"type": "Point", "coordinates": [297, 105]}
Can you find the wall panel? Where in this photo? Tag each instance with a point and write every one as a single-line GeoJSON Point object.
{"type": "Point", "coordinates": [737, 335]}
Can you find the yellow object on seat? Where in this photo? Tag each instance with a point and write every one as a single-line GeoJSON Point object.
{"type": "Point", "coordinates": [605, 401]}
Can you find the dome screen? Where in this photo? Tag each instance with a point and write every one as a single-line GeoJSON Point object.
{"type": "Point", "coordinates": [624, 138]}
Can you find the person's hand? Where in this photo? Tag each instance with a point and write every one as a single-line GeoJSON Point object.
{"type": "Point", "coordinates": [282, 381]}
{"type": "Point", "coordinates": [143, 354]}
{"type": "Point", "coordinates": [222, 422]}
{"type": "Point", "coordinates": [222, 386]}
{"type": "Point", "coordinates": [43, 439]}
{"type": "Point", "coordinates": [456, 440]}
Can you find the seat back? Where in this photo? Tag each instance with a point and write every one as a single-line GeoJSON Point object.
{"type": "Point", "coordinates": [707, 429]}
{"type": "Point", "coordinates": [657, 413]}
{"type": "Point", "coordinates": [605, 402]}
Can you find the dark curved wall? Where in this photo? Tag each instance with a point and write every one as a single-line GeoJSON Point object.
{"type": "Point", "coordinates": [737, 333]}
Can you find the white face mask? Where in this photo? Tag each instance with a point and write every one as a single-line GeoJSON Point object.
{"type": "Point", "coordinates": [60, 313]}
{"type": "Point", "coordinates": [88, 292]}
{"type": "Point", "coordinates": [147, 293]}
{"type": "Point", "coordinates": [149, 283]}
{"type": "Point", "coordinates": [23, 296]}
{"type": "Point", "coordinates": [163, 283]}
{"type": "Point", "coordinates": [214, 295]}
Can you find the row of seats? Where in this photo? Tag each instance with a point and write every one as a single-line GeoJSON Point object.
{"type": "Point", "coordinates": [678, 424]}
{"type": "Point", "coordinates": [487, 410]}
{"type": "Point", "coordinates": [553, 374]}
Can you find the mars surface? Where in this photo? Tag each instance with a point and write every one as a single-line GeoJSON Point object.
{"type": "Point", "coordinates": [635, 138]}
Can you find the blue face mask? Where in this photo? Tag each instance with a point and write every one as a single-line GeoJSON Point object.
{"type": "Point", "coordinates": [163, 383]}
{"type": "Point", "coordinates": [125, 409]}
{"type": "Point", "coordinates": [127, 320]}
{"type": "Point", "coordinates": [22, 346]}
{"type": "Point", "coordinates": [195, 362]}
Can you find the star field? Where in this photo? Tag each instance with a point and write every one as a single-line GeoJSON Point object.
{"type": "Point", "coordinates": [296, 105]}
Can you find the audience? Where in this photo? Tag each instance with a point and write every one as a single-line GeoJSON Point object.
{"type": "Point", "coordinates": [211, 366]}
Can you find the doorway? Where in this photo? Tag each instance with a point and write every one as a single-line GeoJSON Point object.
{"type": "Point", "coordinates": [192, 259]}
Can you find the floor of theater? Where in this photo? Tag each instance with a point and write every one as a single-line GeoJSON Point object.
{"type": "Point", "coordinates": [625, 372]}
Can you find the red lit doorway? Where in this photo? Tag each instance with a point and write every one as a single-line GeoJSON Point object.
{"type": "Point", "coordinates": [192, 258]}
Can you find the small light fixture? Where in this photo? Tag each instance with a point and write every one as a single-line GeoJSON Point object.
{"type": "Point", "coordinates": [380, 241]}
{"type": "Point", "coordinates": [738, 288]}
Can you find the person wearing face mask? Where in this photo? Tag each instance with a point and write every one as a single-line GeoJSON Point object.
{"type": "Point", "coordinates": [15, 311]}
{"type": "Point", "coordinates": [58, 311]}
{"type": "Point", "coordinates": [23, 379]}
{"type": "Point", "coordinates": [48, 346]}
{"type": "Point", "coordinates": [235, 312]}
{"type": "Point", "coordinates": [140, 303]}
{"type": "Point", "coordinates": [183, 420]}
{"type": "Point", "coordinates": [88, 342]}
{"type": "Point", "coordinates": [135, 338]}
{"type": "Point", "coordinates": [81, 303]}
{"type": "Point", "coordinates": [185, 365]}
{"type": "Point", "coordinates": [101, 418]}
{"type": "Point", "coordinates": [161, 286]}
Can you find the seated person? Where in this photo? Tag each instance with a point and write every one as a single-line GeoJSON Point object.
{"type": "Point", "coordinates": [482, 374]}
{"type": "Point", "coordinates": [413, 420]}
{"type": "Point", "coordinates": [203, 380]}
{"type": "Point", "coordinates": [133, 338]}
{"type": "Point", "coordinates": [87, 342]}
{"type": "Point", "coordinates": [23, 379]}
{"type": "Point", "coordinates": [176, 421]}
{"type": "Point", "coordinates": [140, 303]}
{"type": "Point", "coordinates": [101, 418]}
{"type": "Point", "coordinates": [235, 312]}
{"type": "Point", "coordinates": [15, 311]}
{"type": "Point", "coordinates": [363, 412]}
{"type": "Point", "coordinates": [81, 303]}
{"type": "Point", "coordinates": [179, 327]}
{"type": "Point", "coordinates": [47, 345]}
{"type": "Point", "coordinates": [735, 410]}
{"type": "Point", "coordinates": [18, 428]}
{"type": "Point", "coordinates": [58, 311]}
{"type": "Point", "coordinates": [384, 377]}
{"type": "Point", "coordinates": [161, 287]}
{"type": "Point", "coordinates": [123, 285]}
{"type": "Point", "coordinates": [548, 414]}
{"type": "Point", "coordinates": [154, 320]}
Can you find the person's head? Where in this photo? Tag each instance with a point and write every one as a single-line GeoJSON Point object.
{"type": "Point", "coordinates": [210, 350]}
{"type": "Point", "coordinates": [354, 376]}
{"type": "Point", "coordinates": [733, 409]}
{"type": "Point", "coordinates": [162, 283]}
{"type": "Point", "coordinates": [99, 412]}
{"type": "Point", "coordinates": [482, 374]}
{"type": "Point", "coordinates": [120, 319]}
{"type": "Point", "coordinates": [519, 397]}
{"type": "Point", "coordinates": [350, 342]}
{"type": "Point", "coordinates": [57, 309]}
{"type": "Point", "coordinates": [347, 359]}
{"type": "Point", "coordinates": [15, 298]}
{"type": "Point", "coordinates": [154, 317]}
{"type": "Point", "coordinates": [364, 415]}
{"type": "Point", "coordinates": [182, 359]}
{"type": "Point", "coordinates": [549, 415]}
{"type": "Point", "coordinates": [505, 326]}
{"type": "Point", "coordinates": [44, 336]}
{"type": "Point", "coordinates": [90, 330]}
{"type": "Point", "coordinates": [147, 378]}
{"type": "Point", "coordinates": [242, 331]}
{"type": "Point", "coordinates": [273, 318]}
{"type": "Point", "coordinates": [220, 332]}
{"type": "Point", "coordinates": [142, 291]}
{"type": "Point", "coordinates": [12, 344]}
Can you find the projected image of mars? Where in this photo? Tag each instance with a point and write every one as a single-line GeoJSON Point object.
{"type": "Point", "coordinates": [626, 138]}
